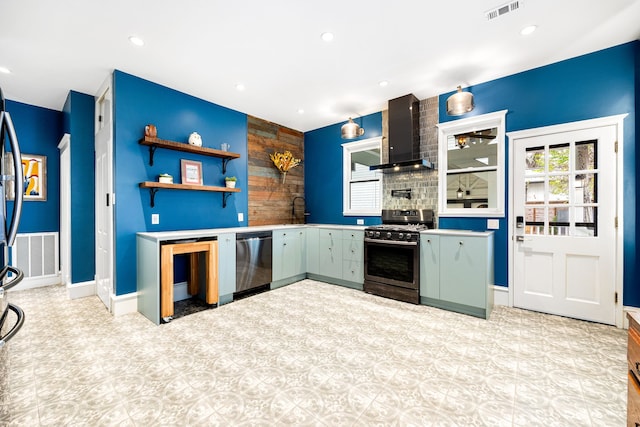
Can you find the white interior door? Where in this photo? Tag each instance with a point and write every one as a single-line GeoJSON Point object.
{"type": "Point", "coordinates": [104, 194]}
{"type": "Point", "coordinates": [65, 209]}
{"type": "Point", "coordinates": [564, 205]}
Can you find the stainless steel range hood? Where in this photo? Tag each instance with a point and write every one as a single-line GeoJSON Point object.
{"type": "Point", "coordinates": [404, 137]}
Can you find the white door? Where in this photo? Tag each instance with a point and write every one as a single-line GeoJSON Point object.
{"type": "Point", "coordinates": [564, 206]}
{"type": "Point", "coordinates": [104, 194]}
{"type": "Point", "coordinates": [65, 209]}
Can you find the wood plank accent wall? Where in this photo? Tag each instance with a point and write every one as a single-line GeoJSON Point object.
{"type": "Point", "coordinates": [270, 200]}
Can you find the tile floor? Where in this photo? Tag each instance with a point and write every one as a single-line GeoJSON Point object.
{"type": "Point", "coordinates": [308, 354]}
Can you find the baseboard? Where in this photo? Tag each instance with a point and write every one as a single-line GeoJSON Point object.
{"type": "Point", "coordinates": [124, 304]}
{"type": "Point", "coordinates": [38, 282]}
{"type": "Point", "coordinates": [81, 289]}
{"type": "Point", "coordinates": [500, 295]}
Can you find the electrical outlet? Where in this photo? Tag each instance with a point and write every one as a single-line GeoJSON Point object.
{"type": "Point", "coordinates": [155, 218]}
{"type": "Point", "coordinates": [493, 224]}
{"type": "Point", "coordinates": [360, 221]}
{"type": "Point", "coordinates": [240, 217]}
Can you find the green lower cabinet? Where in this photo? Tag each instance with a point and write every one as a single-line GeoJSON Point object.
{"type": "Point", "coordinates": [313, 250]}
{"type": "Point", "coordinates": [289, 256]}
{"type": "Point", "coordinates": [464, 265]}
{"type": "Point", "coordinates": [330, 253]}
{"type": "Point", "coordinates": [226, 267]}
{"type": "Point", "coordinates": [430, 266]}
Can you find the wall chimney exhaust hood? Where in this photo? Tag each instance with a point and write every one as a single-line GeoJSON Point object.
{"type": "Point", "coordinates": [404, 137]}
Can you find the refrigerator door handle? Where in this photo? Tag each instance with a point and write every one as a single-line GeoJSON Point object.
{"type": "Point", "coordinates": [18, 183]}
{"type": "Point", "coordinates": [16, 327]}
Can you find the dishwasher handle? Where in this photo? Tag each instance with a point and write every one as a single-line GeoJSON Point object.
{"type": "Point", "coordinates": [254, 235]}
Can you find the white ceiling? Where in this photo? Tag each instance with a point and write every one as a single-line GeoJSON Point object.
{"type": "Point", "coordinates": [205, 47]}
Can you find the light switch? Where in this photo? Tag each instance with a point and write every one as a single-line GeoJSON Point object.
{"type": "Point", "coordinates": [240, 217]}
{"type": "Point", "coordinates": [155, 218]}
{"type": "Point", "coordinates": [493, 224]}
{"type": "Point", "coordinates": [360, 221]}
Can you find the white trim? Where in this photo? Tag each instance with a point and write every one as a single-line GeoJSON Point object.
{"type": "Point", "coordinates": [37, 282]}
{"type": "Point", "coordinates": [81, 289]}
{"type": "Point", "coordinates": [347, 149]}
{"type": "Point", "coordinates": [496, 119]}
{"type": "Point", "coordinates": [124, 304]}
{"type": "Point", "coordinates": [617, 121]}
{"type": "Point", "coordinates": [501, 296]}
{"type": "Point", "coordinates": [65, 209]}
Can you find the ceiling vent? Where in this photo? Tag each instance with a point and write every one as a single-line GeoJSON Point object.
{"type": "Point", "coordinates": [499, 11]}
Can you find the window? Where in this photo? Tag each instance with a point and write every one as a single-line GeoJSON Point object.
{"type": "Point", "coordinates": [471, 166]}
{"type": "Point", "coordinates": [362, 187]}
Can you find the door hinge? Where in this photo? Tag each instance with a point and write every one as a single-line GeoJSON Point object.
{"type": "Point", "coordinates": [107, 199]}
{"type": "Point", "coordinates": [616, 297]}
{"type": "Point", "coordinates": [100, 121]}
{"type": "Point", "coordinates": [615, 222]}
{"type": "Point", "coordinates": [615, 146]}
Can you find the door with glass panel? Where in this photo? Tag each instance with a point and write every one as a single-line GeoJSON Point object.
{"type": "Point", "coordinates": [564, 194]}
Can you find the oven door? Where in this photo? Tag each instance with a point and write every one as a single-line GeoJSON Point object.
{"type": "Point", "coordinates": [391, 263]}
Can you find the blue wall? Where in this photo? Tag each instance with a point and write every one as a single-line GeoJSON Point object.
{"type": "Point", "coordinates": [594, 85]}
{"type": "Point", "coordinates": [79, 123]}
{"type": "Point", "coordinates": [323, 171]}
{"type": "Point", "coordinates": [138, 102]}
{"type": "Point", "coordinates": [39, 131]}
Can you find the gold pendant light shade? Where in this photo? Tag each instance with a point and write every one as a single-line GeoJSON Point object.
{"type": "Point", "coordinates": [460, 103]}
{"type": "Point", "coordinates": [351, 130]}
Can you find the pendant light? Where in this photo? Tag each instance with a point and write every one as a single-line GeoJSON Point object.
{"type": "Point", "coordinates": [459, 103]}
{"type": "Point", "coordinates": [351, 130]}
{"type": "Point", "coordinates": [459, 193]}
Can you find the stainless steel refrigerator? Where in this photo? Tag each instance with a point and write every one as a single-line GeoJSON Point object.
{"type": "Point", "coordinates": [12, 182]}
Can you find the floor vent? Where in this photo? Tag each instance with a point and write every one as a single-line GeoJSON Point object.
{"type": "Point", "coordinates": [36, 254]}
{"type": "Point", "coordinates": [497, 12]}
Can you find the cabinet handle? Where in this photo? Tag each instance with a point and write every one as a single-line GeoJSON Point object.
{"type": "Point", "coordinates": [461, 242]}
{"type": "Point", "coordinates": [284, 244]}
{"type": "Point", "coordinates": [428, 240]}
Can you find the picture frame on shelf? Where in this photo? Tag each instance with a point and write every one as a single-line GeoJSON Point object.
{"type": "Point", "coordinates": [34, 172]}
{"type": "Point", "coordinates": [191, 172]}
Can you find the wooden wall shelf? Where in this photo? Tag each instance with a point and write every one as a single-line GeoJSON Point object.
{"type": "Point", "coordinates": [155, 143]}
{"type": "Point", "coordinates": [155, 186]}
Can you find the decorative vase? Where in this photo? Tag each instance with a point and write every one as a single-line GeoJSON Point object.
{"type": "Point", "coordinates": [195, 139]}
{"type": "Point", "coordinates": [284, 176]}
{"type": "Point", "coordinates": [230, 184]}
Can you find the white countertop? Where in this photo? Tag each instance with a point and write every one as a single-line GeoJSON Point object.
{"type": "Point", "coordinates": [196, 234]}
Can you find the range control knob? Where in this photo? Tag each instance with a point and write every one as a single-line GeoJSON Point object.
{"type": "Point", "coordinates": [400, 235]}
{"type": "Point", "coordinates": [377, 234]}
{"type": "Point", "coordinates": [388, 234]}
{"type": "Point", "coordinates": [408, 236]}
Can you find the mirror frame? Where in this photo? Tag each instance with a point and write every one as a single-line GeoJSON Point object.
{"type": "Point", "coordinates": [471, 124]}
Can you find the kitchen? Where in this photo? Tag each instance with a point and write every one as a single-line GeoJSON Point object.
{"type": "Point", "coordinates": [319, 178]}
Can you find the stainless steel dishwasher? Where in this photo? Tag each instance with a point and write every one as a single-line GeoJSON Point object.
{"type": "Point", "coordinates": [253, 260]}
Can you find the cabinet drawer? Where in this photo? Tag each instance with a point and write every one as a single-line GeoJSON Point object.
{"type": "Point", "coordinates": [633, 351]}
{"type": "Point", "coordinates": [633, 401]}
{"type": "Point", "coordinates": [352, 271]}
{"type": "Point", "coordinates": [332, 235]}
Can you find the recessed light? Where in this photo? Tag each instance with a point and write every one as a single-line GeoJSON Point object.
{"type": "Point", "coordinates": [137, 41]}
{"type": "Point", "coordinates": [300, 111]}
{"type": "Point", "coordinates": [383, 83]}
{"type": "Point", "coordinates": [240, 87]}
{"type": "Point", "coordinates": [528, 30]}
{"type": "Point", "coordinates": [5, 70]}
{"type": "Point", "coordinates": [327, 36]}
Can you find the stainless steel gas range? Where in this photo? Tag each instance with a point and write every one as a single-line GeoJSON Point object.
{"type": "Point", "coordinates": [392, 254]}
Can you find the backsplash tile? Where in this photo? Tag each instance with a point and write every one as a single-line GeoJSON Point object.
{"type": "Point", "coordinates": [423, 183]}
